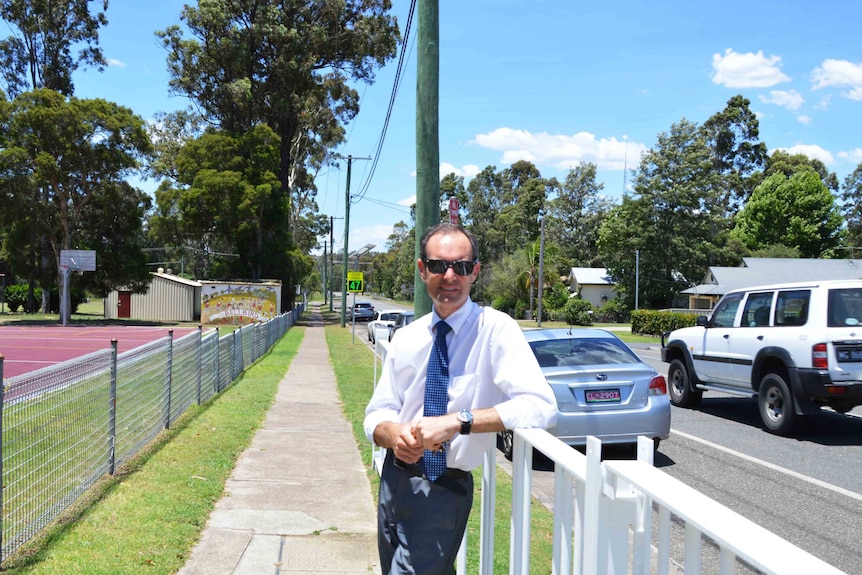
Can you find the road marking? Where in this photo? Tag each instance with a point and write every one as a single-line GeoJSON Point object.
{"type": "Point", "coordinates": [819, 483]}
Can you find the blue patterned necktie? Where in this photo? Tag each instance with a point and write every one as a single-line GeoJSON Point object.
{"type": "Point", "coordinates": [433, 463]}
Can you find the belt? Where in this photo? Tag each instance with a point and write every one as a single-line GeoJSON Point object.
{"type": "Point", "coordinates": [413, 469]}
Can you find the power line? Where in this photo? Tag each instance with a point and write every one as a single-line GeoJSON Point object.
{"type": "Point", "coordinates": [396, 85]}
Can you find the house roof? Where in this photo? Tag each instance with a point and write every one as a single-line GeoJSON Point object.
{"type": "Point", "coordinates": [590, 276]}
{"type": "Point", "coordinates": [762, 271]}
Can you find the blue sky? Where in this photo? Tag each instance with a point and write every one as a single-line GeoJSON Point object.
{"type": "Point", "coordinates": [558, 82]}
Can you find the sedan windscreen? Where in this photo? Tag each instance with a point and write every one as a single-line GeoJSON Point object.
{"type": "Point", "coordinates": [578, 352]}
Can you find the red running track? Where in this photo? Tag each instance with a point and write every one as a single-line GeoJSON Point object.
{"type": "Point", "coordinates": [28, 348]}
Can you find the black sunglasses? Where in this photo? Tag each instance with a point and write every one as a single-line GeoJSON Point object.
{"type": "Point", "coordinates": [461, 267]}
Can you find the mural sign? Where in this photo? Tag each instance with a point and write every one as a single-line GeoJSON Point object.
{"type": "Point", "coordinates": [239, 303]}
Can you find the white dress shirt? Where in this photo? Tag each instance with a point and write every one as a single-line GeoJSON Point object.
{"type": "Point", "coordinates": [490, 365]}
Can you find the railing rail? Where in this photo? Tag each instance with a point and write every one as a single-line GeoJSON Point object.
{"type": "Point", "coordinates": [603, 516]}
{"type": "Point", "coordinates": [65, 426]}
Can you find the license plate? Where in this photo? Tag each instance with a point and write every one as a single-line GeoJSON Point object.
{"type": "Point", "coordinates": [849, 354]}
{"type": "Point", "coordinates": [603, 396]}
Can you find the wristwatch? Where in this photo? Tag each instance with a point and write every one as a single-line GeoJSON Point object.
{"type": "Point", "coordinates": [465, 416]}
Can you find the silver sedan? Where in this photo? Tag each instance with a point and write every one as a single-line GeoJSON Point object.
{"type": "Point", "coordinates": [601, 386]}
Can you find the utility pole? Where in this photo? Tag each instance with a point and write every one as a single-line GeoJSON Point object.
{"type": "Point", "coordinates": [427, 136]}
{"type": "Point", "coordinates": [331, 260]}
{"type": "Point", "coordinates": [324, 272]}
{"type": "Point", "coordinates": [346, 235]}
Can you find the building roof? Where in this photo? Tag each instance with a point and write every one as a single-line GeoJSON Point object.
{"type": "Point", "coordinates": [762, 271]}
{"type": "Point", "coordinates": [177, 279]}
{"type": "Point", "coordinates": [590, 276]}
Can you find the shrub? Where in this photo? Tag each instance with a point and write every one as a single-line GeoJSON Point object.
{"type": "Point", "coordinates": [577, 312]}
{"type": "Point", "coordinates": [650, 322]}
{"type": "Point", "coordinates": [16, 296]}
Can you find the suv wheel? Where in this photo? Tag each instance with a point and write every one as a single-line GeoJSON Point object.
{"type": "Point", "coordinates": [679, 386]}
{"type": "Point", "coordinates": [506, 440]}
{"type": "Point", "coordinates": [776, 404]}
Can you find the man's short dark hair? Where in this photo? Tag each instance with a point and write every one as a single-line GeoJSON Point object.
{"type": "Point", "coordinates": [446, 229]}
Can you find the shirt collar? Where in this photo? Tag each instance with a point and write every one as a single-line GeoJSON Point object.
{"type": "Point", "coordinates": [456, 319]}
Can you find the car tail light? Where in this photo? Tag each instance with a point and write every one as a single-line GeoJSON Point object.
{"type": "Point", "coordinates": [658, 385]}
{"type": "Point", "coordinates": [819, 356]}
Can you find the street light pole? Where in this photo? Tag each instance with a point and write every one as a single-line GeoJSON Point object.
{"type": "Point", "coordinates": [541, 267]}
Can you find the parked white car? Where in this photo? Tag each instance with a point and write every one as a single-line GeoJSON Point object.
{"type": "Point", "coordinates": [382, 320]}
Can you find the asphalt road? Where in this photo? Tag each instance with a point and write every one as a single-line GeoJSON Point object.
{"type": "Point", "coordinates": [806, 489]}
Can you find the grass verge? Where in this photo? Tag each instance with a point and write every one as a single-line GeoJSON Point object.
{"type": "Point", "coordinates": [148, 516]}
{"type": "Point", "coordinates": [354, 372]}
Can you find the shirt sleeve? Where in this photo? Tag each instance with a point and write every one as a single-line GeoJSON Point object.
{"type": "Point", "coordinates": [517, 374]}
{"type": "Point", "coordinates": [386, 402]}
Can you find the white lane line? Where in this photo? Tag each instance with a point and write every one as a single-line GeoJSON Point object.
{"type": "Point", "coordinates": [819, 483]}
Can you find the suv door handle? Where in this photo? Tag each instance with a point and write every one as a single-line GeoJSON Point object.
{"type": "Point", "coordinates": [760, 338]}
{"type": "Point", "coordinates": [726, 336]}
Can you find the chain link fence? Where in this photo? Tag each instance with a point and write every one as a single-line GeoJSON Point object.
{"type": "Point", "coordinates": [65, 426]}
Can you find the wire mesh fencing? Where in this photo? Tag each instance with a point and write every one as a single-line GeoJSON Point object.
{"type": "Point", "coordinates": [65, 426]}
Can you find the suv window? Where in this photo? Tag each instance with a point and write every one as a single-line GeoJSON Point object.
{"type": "Point", "coordinates": [725, 311]}
{"type": "Point", "coordinates": [756, 311]}
{"type": "Point", "coordinates": [791, 307]}
{"type": "Point", "coordinates": [845, 307]}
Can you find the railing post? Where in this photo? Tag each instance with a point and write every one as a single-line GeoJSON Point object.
{"type": "Point", "coordinates": [168, 381]}
{"type": "Point", "coordinates": [112, 464]}
{"type": "Point", "coordinates": [592, 512]}
{"type": "Point", "coordinates": [199, 360]}
{"type": "Point", "coordinates": [522, 465]}
{"type": "Point", "coordinates": [489, 498]}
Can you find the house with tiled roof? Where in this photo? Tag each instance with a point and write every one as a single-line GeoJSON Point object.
{"type": "Point", "coordinates": [762, 271]}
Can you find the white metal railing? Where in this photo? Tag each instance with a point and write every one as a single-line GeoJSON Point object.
{"type": "Point", "coordinates": [603, 515]}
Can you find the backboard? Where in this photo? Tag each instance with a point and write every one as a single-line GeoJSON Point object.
{"type": "Point", "coordinates": [78, 260]}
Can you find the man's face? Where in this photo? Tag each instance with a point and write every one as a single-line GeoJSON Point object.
{"type": "Point", "coordinates": [448, 290]}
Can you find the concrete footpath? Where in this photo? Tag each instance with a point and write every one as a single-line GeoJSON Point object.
{"type": "Point", "coordinates": [299, 500]}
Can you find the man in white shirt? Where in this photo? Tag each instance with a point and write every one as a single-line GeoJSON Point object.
{"type": "Point", "coordinates": [494, 383]}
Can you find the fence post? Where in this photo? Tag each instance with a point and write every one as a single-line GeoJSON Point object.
{"type": "Point", "coordinates": [217, 382]}
{"type": "Point", "coordinates": [168, 381]}
{"type": "Point", "coordinates": [113, 408]}
{"type": "Point", "coordinates": [199, 359]}
{"type": "Point", "coordinates": [2, 501]}
{"type": "Point", "coordinates": [233, 373]}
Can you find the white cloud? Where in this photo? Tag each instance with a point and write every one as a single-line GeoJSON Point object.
{"type": "Point", "coordinates": [804, 119]}
{"type": "Point", "coordinates": [792, 100]}
{"type": "Point", "coordinates": [813, 151]}
{"type": "Point", "coordinates": [467, 172]}
{"type": "Point", "coordinates": [749, 70]}
{"type": "Point", "coordinates": [115, 62]}
{"type": "Point", "coordinates": [837, 73]}
{"type": "Point", "coordinates": [376, 234]}
{"type": "Point", "coordinates": [854, 155]}
{"type": "Point", "coordinates": [561, 151]}
{"type": "Point", "coordinates": [407, 202]}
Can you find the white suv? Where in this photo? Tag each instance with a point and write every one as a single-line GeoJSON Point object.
{"type": "Point", "coordinates": [796, 347]}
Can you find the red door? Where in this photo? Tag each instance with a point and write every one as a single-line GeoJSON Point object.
{"type": "Point", "coordinates": [124, 304]}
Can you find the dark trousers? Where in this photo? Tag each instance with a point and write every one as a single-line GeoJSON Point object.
{"type": "Point", "coordinates": [420, 523]}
